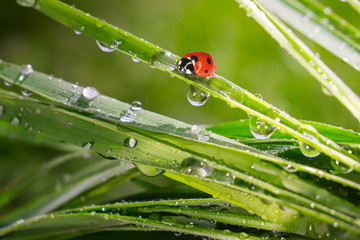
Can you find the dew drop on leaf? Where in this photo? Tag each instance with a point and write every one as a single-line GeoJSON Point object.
{"type": "Point", "coordinates": [27, 70]}
{"type": "Point", "coordinates": [196, 96]}
{"type": "Point", "coordinates": [164, 60]}
{"type": "Point", "coordinates": [103, 47]}
{"type": "Point", "coordinates": [195, 167]}
{"type": "Point", "coordinates": [8, 84]}
{"type": "Point", "coordinates": [87, 145]}
{"type": "Point", "coordinates": [25, 92]}
{"type": "Point", "coordinates": [260, 129]}
{"type": "Point", "coordinates": [130, 142]}
{"type": "Point", "coordinates": [136, 106]}
{"type": "Point", "coordinates": [148, 170]}
{"type": "Point", "coordinates": [90, 93]}
{"type": "Point", "coordinates": [306, 149]}
{"type": "Point", "coordinates": [15, 121]}
{"type": "Point", "coordinates": [26, 3]}
{"type": "Point", "coordinates": [339, 168]}
{"type": "Point", "coordinates": [127, 116]}
{"type": "Point", "coordinates": [135, 60]}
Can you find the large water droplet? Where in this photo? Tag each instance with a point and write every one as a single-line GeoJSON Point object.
{"type": "Point", "coordinates": [164, 60]}
{"type": "Point", "coordinates": [15, 121]}
{"type": "Point", "coordinates": [260, 129]}
{"type": "Point", "coordinates": [339, 168]}
{"type": "Point", "coordinates": [195, 167]}
{"type": "Point", "coordinates": [1, 110]}
{"type": "Point", "coordinates": [90, 93]}
{"type": "Point", "coordinates": [148, 170]}
{"type": "Point", "coordinates": [104, 47]}
{"type": "Point", "coordinates": [26, 92]}
{"type": "Point", "coordinates": [306, 149]}
{"type": "Point", "coordinates": [136, 106]}
{"type": "Point", "coordinates": [26, 3]}
{"type": "Point", "coordinates": [196, 96]}
{"type": "Point", "coordinates": [25, 72]}
{"type": "Point", "coordinates": [130, 142]}
{"type": "Point", "coordinates": [290, 168]}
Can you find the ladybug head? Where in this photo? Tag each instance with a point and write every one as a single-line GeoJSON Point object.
{"type": "Point", "coordinates": [185, 66]}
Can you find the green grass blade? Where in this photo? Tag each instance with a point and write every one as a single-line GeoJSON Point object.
{"type": "Point", "coordinates": [303, 55]}
{"type": "Point", "coordinates": [320, 24]}
{"type": "Point", "coordinates": [354, 4]}
{"type": "Point", "coordinates": [171, 150]}
{"type": "Point", "coordinates": [216, 85]}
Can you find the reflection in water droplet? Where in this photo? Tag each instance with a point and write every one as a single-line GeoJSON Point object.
{"type": "Point", "coordinates": [148, 170]}
{"type": "Point", "coordinates": [90, 93]}
{"type": "Point", "coordinates": [136, 106]}
{"type": "Point", "coordinates": [203, 136]}
{"type": "Point", "coordinates": [103, 47]}
{"type": "Point", "coordinates": [164, 60]}
{"type": "Point", "coordinates": [196, 96]}
{"type": "Point", "coordinates": [26, 3]}
{"type": "Point", "coordinates": [26, 92]}
{"type": "Point", "coordinates": [1, 110]}
{"type": "Point", "coordinates": [130, 142]}
{"type": "Point", "coordinates": [260, 129]}
{"type": "Point", "coordinates": [306, 149]}
{"type": "Point", "coordinates": [195, 167]}
{"type": "Point", "coordinates": [15, 121]}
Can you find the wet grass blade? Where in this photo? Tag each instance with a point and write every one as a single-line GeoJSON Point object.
{"type": "Point", "coordinates": [114, 38]}
{"type": "Point", "coordinates": [222, 160]}
{"type": "Point", "coordinates": [322, 25]}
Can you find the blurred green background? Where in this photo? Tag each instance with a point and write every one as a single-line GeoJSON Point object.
{"type": "Point", "coordinates": [244, 53]}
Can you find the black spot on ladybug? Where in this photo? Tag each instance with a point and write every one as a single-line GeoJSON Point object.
{"type": "Point", "coordinates": [194, 58]}
{"type": "Point", "coordinates": [206, 71]}
{"type": "Point", "coordinates": [208, 60]}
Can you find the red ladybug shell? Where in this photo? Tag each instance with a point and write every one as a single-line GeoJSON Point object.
{"type": "Point", "coordinates": [204, 65]}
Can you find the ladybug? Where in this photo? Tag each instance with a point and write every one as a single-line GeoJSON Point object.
{"type": "Point", "coordinates": [197, 63]}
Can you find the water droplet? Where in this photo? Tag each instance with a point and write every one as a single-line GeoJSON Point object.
{"type": "Point", "coordinates": [164, 60]}
{"type": "Point", "coordinates": [130, 142]}
{"type": "Point", "coordinates": [177, 234]}
{"type": "Point", "coordinates": [1, 110]}
{"type": "Point", "coordinates": [260, 129]}
{"type": "Point", "coordinates": [25, 72]}
{"type": "Point", "coordinates": [90, 93]}
{"type": "Point", "coordinates": [26, 3]}
{"type": "Point", "coordinates": [115, 44]}
{"type": "Point", "coordinates": [104, 47]}
{"type": "Point", "coordinates": [289, 168]}
{"type": "Point", "coordinates": [196, 96]}
{"type": "Point", "coordinates": [8, 84]}
{"type": "Point", "coordinates": [326, 91]}
{"type": "Point", "coordinates": [306, 149]}
{"type": "Point", "coordinates": [203, 136]}
{"type": "Point", "coordinates": [327, 10]}
{"type": "Point", "coordinates": [136, 106]}
{"type": "Point", "coordinates": [15, 121]}
{"type": "Point", "coordinates": [339, 168]}
{"type": "Point", "coordinates": [148, 170]}
{"type": "Point", "coordinates": [195, 167]}
{"type": "Point", "coordinates": [87, 145]}
{"type": "Point", "coordinates": [135, 60]}
{"type": "Point", "coordinates": [127, 116]}
{"type": "Point", "coordinates": [26, 92]}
